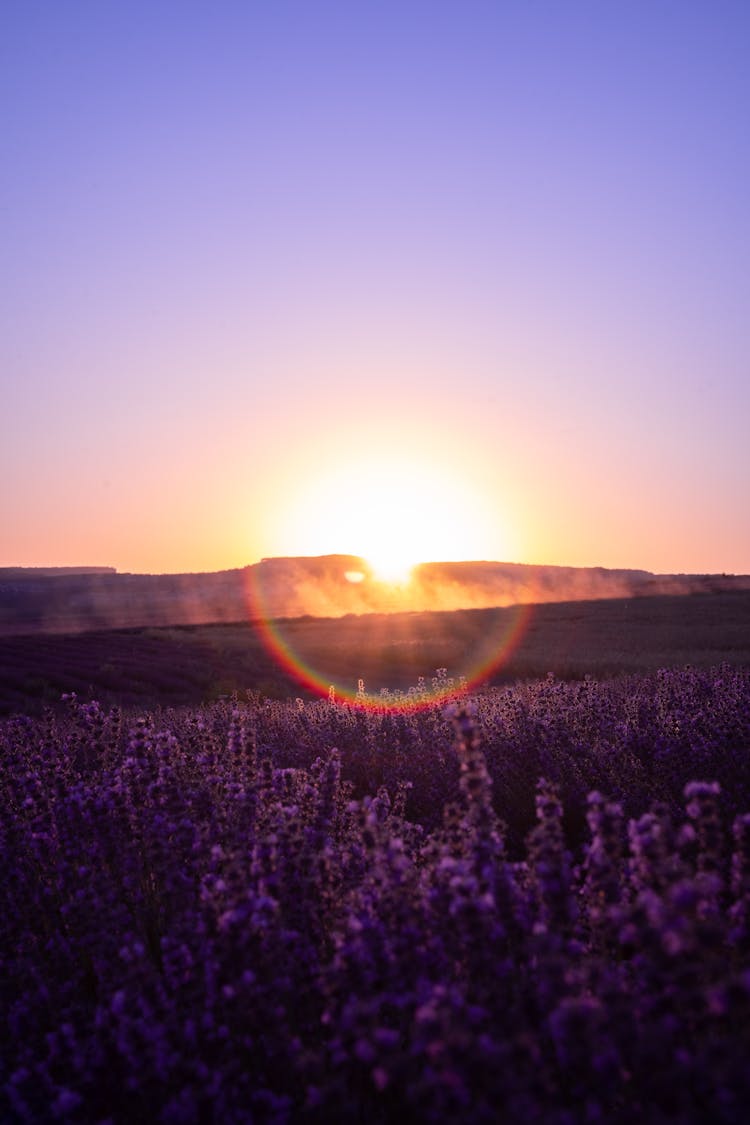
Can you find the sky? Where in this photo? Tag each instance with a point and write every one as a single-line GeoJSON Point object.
{"type": "Point", "coordinates": [468, 279]}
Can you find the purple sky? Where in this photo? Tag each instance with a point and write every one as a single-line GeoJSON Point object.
{"type": "Point", "coordinates": [274, 272]}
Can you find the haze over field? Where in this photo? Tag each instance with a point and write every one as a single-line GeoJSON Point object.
{"type": "Point", "coordinates": [407, 281]}
{"type": "Point", "coordinates": [328, 586]}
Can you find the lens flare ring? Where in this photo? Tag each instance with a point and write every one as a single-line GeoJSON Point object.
{"type": "Point", "coordinates": [495, 652]}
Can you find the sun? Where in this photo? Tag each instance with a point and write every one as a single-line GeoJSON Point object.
{"type": "Point", "coordinates": [392, 569]}
{"type": "Point", "coordinates": [391, 511]}
{"type": "Point", "coordinates": [393, 560]}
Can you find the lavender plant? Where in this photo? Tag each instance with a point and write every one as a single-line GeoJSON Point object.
{"type": "Point", "coordinates": [533, 905]}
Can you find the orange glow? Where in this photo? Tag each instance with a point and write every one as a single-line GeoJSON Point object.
{"type": "Point", "coordinates": [394, 511]}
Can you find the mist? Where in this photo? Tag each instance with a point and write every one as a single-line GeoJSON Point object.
{"type": "Point", "coordinates": [323, 586]}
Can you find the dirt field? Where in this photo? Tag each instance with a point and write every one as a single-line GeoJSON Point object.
{"type": "Point", "coordinates": [188, 664]}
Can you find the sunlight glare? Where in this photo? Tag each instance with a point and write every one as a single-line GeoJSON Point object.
{"type": "Point", "coordinates": [391, 512]}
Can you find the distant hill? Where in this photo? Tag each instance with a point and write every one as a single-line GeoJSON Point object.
{"type": "Point", "coordinates": [9, 572]}
{"type": "Point", "coordinates": [79, 599]}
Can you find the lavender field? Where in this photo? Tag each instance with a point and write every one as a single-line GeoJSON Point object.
{"type": "Point", "coordinates": [532, 904]}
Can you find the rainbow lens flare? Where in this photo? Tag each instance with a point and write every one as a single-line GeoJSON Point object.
{"type": "Point", "coordinates": [336, 653]}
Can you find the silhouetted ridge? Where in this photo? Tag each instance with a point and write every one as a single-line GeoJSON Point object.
{"type": "Point", "coordinates": [78, 599]}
